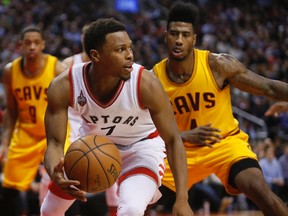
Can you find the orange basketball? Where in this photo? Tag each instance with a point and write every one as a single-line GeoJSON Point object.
{"type": "Point", "coordinates": [94, 161]}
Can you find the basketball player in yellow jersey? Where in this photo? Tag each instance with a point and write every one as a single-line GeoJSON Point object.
{"type": "Point", "coordinates": [26, 80]}
{"type": "Point", "coordinates": [197, 83]}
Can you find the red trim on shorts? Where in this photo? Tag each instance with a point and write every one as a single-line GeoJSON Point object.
{"type": "Point", "coordinates": [137, 171]}
{"type": "Point", "coordinates": [162, 166]}
{"type": "Point", "coordinates": [55, 189]}
{"type": "Point", "coordinates": [153, 135]}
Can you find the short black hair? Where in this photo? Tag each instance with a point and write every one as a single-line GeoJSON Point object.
{"type": "Point", "coordinates": [30, 28]}
{"type": "Point", "coordinates": [95, 34]}
{"type": "Point", "coordinates": [84, 28]}
{"type": "Point", "coordinates": [183, 12]}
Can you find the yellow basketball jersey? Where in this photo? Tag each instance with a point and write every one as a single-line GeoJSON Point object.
{"type": "Point", "coordinates": [31, 96]}
{"type": "Point", "coordinates": [199, 101]}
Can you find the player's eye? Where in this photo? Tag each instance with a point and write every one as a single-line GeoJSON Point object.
{"type": "Point", "coordinates": [186, 34]}
{"type": "Point", "coordinates": [173, 33]}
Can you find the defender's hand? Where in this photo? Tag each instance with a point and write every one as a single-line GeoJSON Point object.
{"type": "Point", "coordinates": [203, 135]}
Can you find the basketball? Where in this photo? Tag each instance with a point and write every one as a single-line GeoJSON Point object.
{"type": "Point", "coordinates": [94, 161]}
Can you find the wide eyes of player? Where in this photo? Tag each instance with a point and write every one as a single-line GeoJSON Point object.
{"type": "Point", "coordinates": [123, 49]}
{"type": "Point", "coordinates": [177, 34]}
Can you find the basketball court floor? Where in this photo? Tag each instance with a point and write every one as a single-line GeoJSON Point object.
{"type": "Point", "coordinates": [239, 213]}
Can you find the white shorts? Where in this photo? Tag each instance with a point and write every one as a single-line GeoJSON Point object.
{"type": "Point", "coordinates": [143, 157]}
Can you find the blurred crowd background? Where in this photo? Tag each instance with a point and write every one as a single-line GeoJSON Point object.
{"type": "Point", "coordinates": [254, 31]}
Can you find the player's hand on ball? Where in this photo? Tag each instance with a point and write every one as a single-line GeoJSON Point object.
{"type": "Point", "coordinates": [94, 161]}
{"type": "Point", "coordinates": [203, 135]}
{"type": "Point", "coordinates": [68, 186]}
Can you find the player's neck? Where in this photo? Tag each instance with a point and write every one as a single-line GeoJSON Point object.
{"type": "Point", "coordinates": [33, 68]}
{"type": "Point", "coordinates": [84, 57]}
{"type": "Point", "coordinates": [179, 72]}
{"type": "Point", "coordinates": [103, 89]}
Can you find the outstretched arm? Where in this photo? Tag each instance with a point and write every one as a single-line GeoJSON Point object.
{"type": "Point", "coordinates": [162, 116]}
{"type": "Point", "coordinates": [227, 68]}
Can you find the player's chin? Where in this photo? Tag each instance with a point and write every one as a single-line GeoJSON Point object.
{"type": "Point", "coordinates": [178, 57]}
{"type": "Point", "coordinates": [125, 77]}
{"type": "Point", "coordinates": [31, 55]}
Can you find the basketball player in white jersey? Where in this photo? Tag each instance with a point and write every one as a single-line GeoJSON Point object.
{"type": "Point", "coordinates": [121, 100]}
{"type": "Point", "coordinates": [75, 120]}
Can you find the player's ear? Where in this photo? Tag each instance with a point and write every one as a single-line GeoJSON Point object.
{"type": "Point", "coordinates": [94, 55]}
{"type": "Point", "coordinates": [194, 39]}
{"type": "Point", "coordinates": [43, 44]}
{"type": "Point", "coordinates": [165, 36]}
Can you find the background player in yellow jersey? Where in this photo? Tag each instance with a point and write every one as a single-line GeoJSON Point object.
{"type": "Point", "coordinates": [197, 83]}
{"type": "Point", "coordinates": [26, 80]}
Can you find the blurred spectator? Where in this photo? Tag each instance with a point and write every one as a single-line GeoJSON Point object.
{"type": "Point", "coordinates": [283, 160]}
{"type": "Point", "coordinates": [203, 192]}
{"type": "Point", "coordinates": [254, 31]}
{"type": "Point", "coordinates": [226, 199]}
{"type": "Point", "coordinates": [271, 169]}
{"type": "Point", "coordinates": [203, 198]}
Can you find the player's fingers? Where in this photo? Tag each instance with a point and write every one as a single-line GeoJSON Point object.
{"type": "Point", "coordinates": [272, 110]}
{"type": "Point", "coordinates": [212, 139]}
{"type": "Point", "coordinates": [77, 196]}
{"type": "Point", "coordinates": [210, 129]}
{"type": "Point", "coordinates": [205, 142]}
{"type": "Point", "coordinates": [68, 183]}
{"type": "Point", "coordinates": [268, 113]}
{"type": "Point", "coordinates": [77, 193]}
{"type": "Point", "coordinates": [210, 143]}
{"type": "Point", "coordinates": [271, 113]}
{"type": "Point", "coordinates": [210, 134]}
{"type": "Point", "coordinates": [72, 189]}
{"type": "Point", "coordinates": [202, 144]}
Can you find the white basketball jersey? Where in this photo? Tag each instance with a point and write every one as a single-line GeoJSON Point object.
{"type": "Point", "coordinates": [122, 119]}
{"type": "Point", "coordinates": [74, 117]}
{"type": "Point", "coordinates": [77, 59]}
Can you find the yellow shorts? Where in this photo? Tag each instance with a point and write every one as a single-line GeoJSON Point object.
{"type": "Point", "coordinates": [25, 155]}
{"type": "Point", "coordinates": [203, 161]}
{"type": "Point", "coordinates": [24, 158]}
